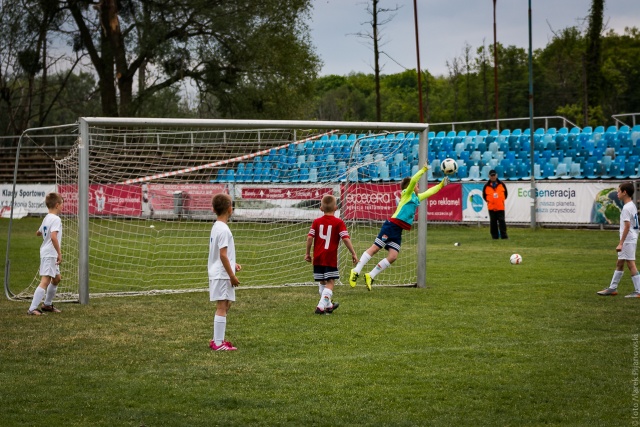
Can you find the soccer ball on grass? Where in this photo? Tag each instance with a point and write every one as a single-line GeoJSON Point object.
{"type": "Point", "coordinates": [516, 259]}
{"type": "Point", "coordinates": [449, 166]}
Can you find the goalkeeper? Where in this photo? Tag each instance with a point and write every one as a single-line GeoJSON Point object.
{"type": "Point", "coordinates": [390, 236]}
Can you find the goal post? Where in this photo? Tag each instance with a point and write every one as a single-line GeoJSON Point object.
{"type": "Point", "coordinates": [138, 214]}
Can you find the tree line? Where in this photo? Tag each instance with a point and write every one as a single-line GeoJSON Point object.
{"type": "Point", "coordinates": [62, 59]}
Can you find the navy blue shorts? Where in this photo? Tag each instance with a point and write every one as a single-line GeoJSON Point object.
{"type": "Point", "coordinates": [390, 236]}
{"type": "Point", "coordinates": [322, 273]}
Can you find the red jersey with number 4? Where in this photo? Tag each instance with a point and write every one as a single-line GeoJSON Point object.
{"type": "Point", "coordinates": [327, 231]}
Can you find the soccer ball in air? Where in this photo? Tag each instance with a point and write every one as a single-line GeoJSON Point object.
{"type": "Point", "coordinates": [516, 259]}
{"type": "Point", "coordinates": [449, 166]}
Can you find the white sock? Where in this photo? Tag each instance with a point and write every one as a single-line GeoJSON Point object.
{"type": "Point", "coordinates": [380, 267]}
{"type": "Point", "coordinates": [37, 298]}
{"type": "Point", "coordinates": [636, 282]}
{"type": "Point", "coordinates": [320, 288]}
{"type": "Point", "coordinates": [325, 299]}
{"type": "Point", "coordinates": [219, 328]}
{"type": "Point", "coordinates": [363, 260]}
{"type": "Point", "coordinates": [51, 293]}
{"type": "Point", "coordinates": [615, 281]}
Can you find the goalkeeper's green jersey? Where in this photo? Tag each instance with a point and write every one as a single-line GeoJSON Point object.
{"type": "Point", "coordinates": [409, 201]}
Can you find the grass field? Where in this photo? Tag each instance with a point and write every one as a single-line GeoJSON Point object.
{"type": "Point", "coordinates": [486, 344]}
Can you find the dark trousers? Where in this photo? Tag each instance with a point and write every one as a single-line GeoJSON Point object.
{"type": "Point", "coordinates": [498, 225]}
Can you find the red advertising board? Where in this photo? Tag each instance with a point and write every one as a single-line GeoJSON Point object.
{"type": "Point", "coordinates": [446, 204]}
{"type": "Point", "coordinates": [111, 199]}
{"type": "Point", "coordinates": [284, 193]}
{"type": "Point", "coordinates": [379, 201]}
{"type": "Point", "coordinates": [195, 197]}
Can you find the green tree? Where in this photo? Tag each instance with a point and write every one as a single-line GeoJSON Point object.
{"type": "Point", "coordinates": [251, 56]}
{"type": "Point", "coordinates": [593, 52]}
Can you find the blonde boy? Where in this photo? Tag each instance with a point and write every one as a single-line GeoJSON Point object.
{"type": "Point", "coordinates": [50, 257]}
{"type": "Point", "coordinates": [325, 235]}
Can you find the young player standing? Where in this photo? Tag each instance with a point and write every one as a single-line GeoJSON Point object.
{"type": "Point", "coordinates": [222, 270]}
{"type": "Point", "coordinates": [50, 257]}
{"type": "Point", "coordinates": [628, 241]}
{"type": "Point", "coordinates": [390, 236]}
{"type": "Point", "coordinates": [325, 235]}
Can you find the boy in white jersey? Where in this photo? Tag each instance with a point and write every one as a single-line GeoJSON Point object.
{"type": "Point", "coordinates": [50, 257]}
{"type": "Point", "coordinates": [222, 270]}
{"type": "Point", "coordinates": [628, 241]}
{"type": "Point", "coordinates": [390, 236]}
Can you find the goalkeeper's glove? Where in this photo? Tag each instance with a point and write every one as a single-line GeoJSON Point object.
{"type": "Point", "coordinates": [445, 181]}
{"type": "Point", "coordinates": [426, 166]}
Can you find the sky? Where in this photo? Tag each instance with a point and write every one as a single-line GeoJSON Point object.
{"type": "Point", "coordinates": [444, 27]}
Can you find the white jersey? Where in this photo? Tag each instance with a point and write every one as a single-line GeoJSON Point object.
{"type": "Point", "coordinates": [221, 237]}
{"type": "Point", "coordinates": [629, 213]}
{"type": "Point", "coordinates": [50, 223]}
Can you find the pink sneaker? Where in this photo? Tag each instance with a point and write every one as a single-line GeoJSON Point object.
{"type": "Point", "coordinates": [225, 346]}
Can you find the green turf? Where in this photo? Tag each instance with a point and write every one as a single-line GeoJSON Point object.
{"type": "Point", "coordinates": [486, 344]}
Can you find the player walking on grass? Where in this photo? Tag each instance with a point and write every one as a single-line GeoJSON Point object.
{"type": "Point", "coordinates": [325, 235]}
{"type": "Point", "coordinates": [628, 241]}
{"type": "Point", "coordinates": [390, 236]}
{"type": "Point", "coordinates": [222, 270]}
{"type": "Point", "coordinates": [50, 257]}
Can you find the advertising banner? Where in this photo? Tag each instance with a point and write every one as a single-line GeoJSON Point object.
{"type": "Point", "coordinates": [378, 202]}
{"type": "Point", "coordinates": [112, 199]}
{"type": "Point", "coordinates": [564, 202]}
{"type": "Point", "coordinates": [474, 208]}
{"type": "Point", "coordinates": [446, 204]}
{"type": "Point", "coordinates": [287, 202]}
{"type": "Point", "coordinates": [164, 198]}
{"type": "Point", "coordinates": [29, 199]}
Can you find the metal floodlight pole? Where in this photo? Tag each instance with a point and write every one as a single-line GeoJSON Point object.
{"type": "Point", "coordinates": [415, 23]}
{"type": "Point", "coordinates": [495, 64]}
{"type": "Point", "coordinates": [533, 178]}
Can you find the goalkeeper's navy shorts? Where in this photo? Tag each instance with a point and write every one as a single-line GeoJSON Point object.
{"type": "Point", "coordinates": [320, 272]}
{"type": "Point", "coordinates": [390, 236]}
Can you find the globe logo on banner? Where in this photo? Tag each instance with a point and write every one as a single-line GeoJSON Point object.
{"type": "Point", "coordinates": [476, 201]}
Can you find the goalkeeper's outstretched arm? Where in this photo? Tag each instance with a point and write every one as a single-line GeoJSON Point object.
{"type": "Point", "coordinates": [433, 190]}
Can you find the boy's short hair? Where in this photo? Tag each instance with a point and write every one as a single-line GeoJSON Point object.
{"type": "Point", "coordinates": [628, 188]}
{"type": "Point", "coordinates": [405, 183]}
{"type": "Point", "coordinates": [328, 203]}
{"type": "Point", "coordinates": [221, 203]}
{"type": "Point", "coordinates": [52, 199]}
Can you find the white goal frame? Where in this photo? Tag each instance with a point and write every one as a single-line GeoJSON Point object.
{"type": "Point", "coordinates": [85, 123]}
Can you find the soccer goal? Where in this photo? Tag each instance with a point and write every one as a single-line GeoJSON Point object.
{"type": "Point", "coordinates": [137, 212]}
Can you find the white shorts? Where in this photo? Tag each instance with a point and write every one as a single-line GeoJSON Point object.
{"type": "Point", "coordinates": [221, 289]}
{"type": "Point", "coordinates": [628, 251]}
{"type": "Point", "coordinates": [48, 267]}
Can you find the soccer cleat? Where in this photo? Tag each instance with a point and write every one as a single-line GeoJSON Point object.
{"type": "Point", "coordinates": [607, 291]}
{"type": "Point", "coordinates": [333, 307]}
{"type": "Point", "coordinates": [225, 346]}
{"type": "Point", "coordinates": [368, 280]}
{"type": "Point", "coordinates": [35, 312]}
{"type": "Point", "coordinates": [353, 278]}
{"type": "Point", "coordinates": [50, 308]}
{"type": "Point", "coordinates": [319, 310]}
{"type": "Point", "coordinates": [633, 295]}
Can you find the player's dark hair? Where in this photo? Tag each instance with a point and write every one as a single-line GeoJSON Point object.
{"type": "Point", "coordinates": [221, 203]}
{"type": "Point", "coordinates": [52, 199]}
{"type": "Point", "coordinates": [405, 183]}
{"type": "Point", "coordinates": [628, 188]}
{"type": "Point", "coordinates": [328, 203]}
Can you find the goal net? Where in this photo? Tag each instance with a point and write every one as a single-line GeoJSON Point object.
{"type": "Point", "coordinates": [137, 212]}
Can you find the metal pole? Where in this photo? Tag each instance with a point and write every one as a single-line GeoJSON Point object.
{"type": "Point", "coordinates": [422, 215]}
{"type": "Point", "coordinates": [533, 177]}
{"type": "Point", "coordinates": [415, 23]}
{"type": "Point", "coordinates": [7, 265]}
{"type": "Point", "coordinates": [495, 63]}
{"type": "Point", "coordinates": [83, 213]}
